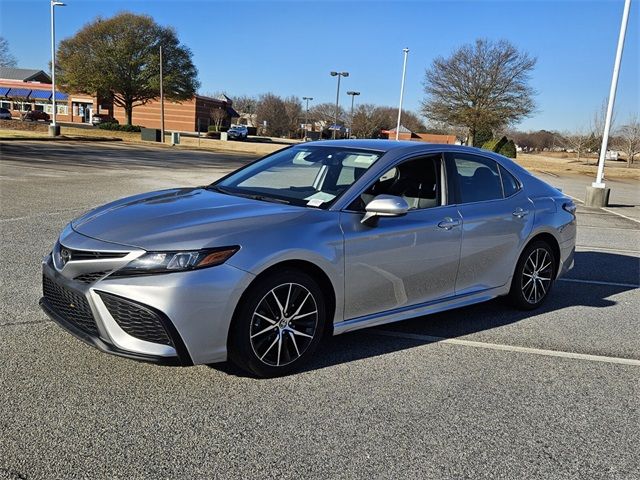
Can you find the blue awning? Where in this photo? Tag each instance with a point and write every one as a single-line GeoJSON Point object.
{"type": "Point", "coordinates": [61, 96]}
{"type": "Point", "coordinates": [40, 94]}
{"type": "Point", "coordinates": [4, 91]}
{"type": "Point", "coordinates": [18, 92]}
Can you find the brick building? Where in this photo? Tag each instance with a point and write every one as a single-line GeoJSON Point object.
{"type": "Point", "coordinates": [23, 89]}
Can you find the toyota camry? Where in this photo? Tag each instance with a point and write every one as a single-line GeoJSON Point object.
{"type": "Point", "coordinates": [316, 239]}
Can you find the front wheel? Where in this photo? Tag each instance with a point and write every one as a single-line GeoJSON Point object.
{"type": "Point", "coordinates": [533, 277]}
{"type": "Point", "coordinates": [278, 325]}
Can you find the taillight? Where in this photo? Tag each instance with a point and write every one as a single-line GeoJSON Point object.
{"type": "Point", "coordinates": [569, 207]}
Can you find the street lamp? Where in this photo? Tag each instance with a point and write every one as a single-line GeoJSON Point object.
{"type": "Point", "coordinates": [54, 130]}
{"type": "Point", "coordinates": [306, 116]}
{"type": "Point", "coordinates": [337, 74]}
{"type": "Point", "coordinates": [404, 71]}
{"type": "Point", "coordinates": [353, 96]}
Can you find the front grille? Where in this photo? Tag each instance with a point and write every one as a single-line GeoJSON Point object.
{"type": "Point", "coordinates": [70, 305]}
{"type": "Point", "coordinates": [92, 277]}
{"type": "Point", "coordinates": [87, 255]}
{"type": "Point", "coordinates": [136, 319]}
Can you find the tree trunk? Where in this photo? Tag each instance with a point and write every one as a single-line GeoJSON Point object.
{"type": "Point", "coordinates": [471, 137]}
{"type": "Point", "coordinates": [128, 109]}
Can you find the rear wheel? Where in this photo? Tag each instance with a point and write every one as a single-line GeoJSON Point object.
{"type": "Point", "coordinates": [279, 324]}
{"type": "Point", "coordinates": [533, 277]}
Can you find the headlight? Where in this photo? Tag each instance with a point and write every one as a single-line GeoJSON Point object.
{"type": "Point", "coordinates": [166, 262]}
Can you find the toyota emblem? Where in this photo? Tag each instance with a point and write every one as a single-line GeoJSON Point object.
{"type": "Point", "coordinates": [65, 256]}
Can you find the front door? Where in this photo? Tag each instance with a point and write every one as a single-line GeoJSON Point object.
{"type": "Point", "coordinates": [402, 261]}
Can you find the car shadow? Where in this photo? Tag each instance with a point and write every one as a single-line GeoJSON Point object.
{"type": "Point", "coordinates": [367, 343]}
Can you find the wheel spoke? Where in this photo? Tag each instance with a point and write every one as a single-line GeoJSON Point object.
{"type": "Point", "coordinates": [298, 317]}
{"type": "Point", "coordinates": [279, 349]}
{"type": "Point", "coordinates": [302, 304]}
{"type": "Point", "coordinates": [273, 292]}
{"type": "Point", "coordinates": [268, 329]}
{"type": "Point", "coordinates": [296, 332]}
{"type": "Point", "coordinates": [270, 347]}
{"type": "Point", "coordinates": [272, 322]}
{"type": "Point", "coordinates": [286, 304]}
{"type": "Point", "coordinates": [293, 340]}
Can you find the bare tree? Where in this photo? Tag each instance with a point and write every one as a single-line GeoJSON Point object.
{"type": "Point", "coordinates": [481, 85]}
{"type": "Point", "coordinates": [325, 114]}
{"type": "Point", "coordinates": [245, 105]}
{"type": "Point", "coordinates": [218, 116]}
{"type": "Point", "coordinates": [629, 139]}
{"type": "Point", "coordinates": [6, 59]}
{"type": "Point", "coordinates": [293, 109]}
{"type": "Point", "coordinates": [579, 141]}
{"type": "Point", "coordinates": [599, 119]}
{"type": "Point", "coordinates": [367, 121]}
{"type": "Point", "coordinates": [271, 109]}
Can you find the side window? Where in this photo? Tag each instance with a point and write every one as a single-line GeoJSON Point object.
{"type": "Point", "coordinates": [418, 181]}
{"type": "Point", "coordinates": [478, 178]}
{"type": "Point", "coordinates": [509, 184]}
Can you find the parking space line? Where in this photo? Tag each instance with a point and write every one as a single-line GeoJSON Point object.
{"type": "Point", "coordinates": [599, 282]}
{"type": "Point", "coordinates": [586, 248]}
{"type": "Point", "coordinates": [509, 348]}
{"type": "Point", "coordinates": [605, 209]}
{"type": "Point", "coordinates": [635, 230]}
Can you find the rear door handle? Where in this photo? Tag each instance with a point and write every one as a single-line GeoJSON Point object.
{"type": "Point", "coordinates": [519, 212]}
{"type": "Point", "coordinates": [448, 223]}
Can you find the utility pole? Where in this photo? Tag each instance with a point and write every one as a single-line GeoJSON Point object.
{"type": "Point", "coordinates": [404, 71]}
{"type": "Point", "coordinates": [161, 100]}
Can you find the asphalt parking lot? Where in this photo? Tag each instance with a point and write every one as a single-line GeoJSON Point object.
{"type": "Point", "coordinates": [480, 392]}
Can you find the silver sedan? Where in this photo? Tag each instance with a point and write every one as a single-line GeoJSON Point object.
{"type": "Point", "coordinates": [316, 239]}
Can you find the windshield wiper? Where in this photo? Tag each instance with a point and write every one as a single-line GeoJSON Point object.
{"type": "Point", "coordinates": [253, 196]}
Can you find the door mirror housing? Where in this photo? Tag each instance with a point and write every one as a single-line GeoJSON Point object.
{"type": "Point", "coordinates": [385, 206]}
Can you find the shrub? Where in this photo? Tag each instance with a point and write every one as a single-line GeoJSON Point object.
{"type": "Point", "coordinates": [495, 144]}
{"type": "Point", "coordinates": [508, 149]}
{"type": "Point", "coordinates": [119, 128]}
{"type": "Point", "coordinates": [481, 137]}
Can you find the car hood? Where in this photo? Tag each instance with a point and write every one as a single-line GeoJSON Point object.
{"type": "Point", "coordinates": [182, 219]}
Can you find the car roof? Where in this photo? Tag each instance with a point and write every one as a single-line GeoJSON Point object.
{"type": "Point", "coordinates": [395, 145]}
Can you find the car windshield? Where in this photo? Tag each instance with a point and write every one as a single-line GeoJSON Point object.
{"type": "Point", "coordinates": [312, 176]}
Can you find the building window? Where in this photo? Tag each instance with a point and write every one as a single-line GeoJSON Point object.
{"type": "Point", "coordinates": [62, 109]}
{"type": "Point", "coordinates": [6, 105]}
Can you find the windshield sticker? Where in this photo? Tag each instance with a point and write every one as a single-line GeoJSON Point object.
{"type": "Point", "coordinates": [322, 196]}
{"type": "Point", "coordinates": [315, 202]}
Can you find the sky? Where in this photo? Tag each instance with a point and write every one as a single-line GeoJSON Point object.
{"type": "Point", "coordinates": [289, 47]}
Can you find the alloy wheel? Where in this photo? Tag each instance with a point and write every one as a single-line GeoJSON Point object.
{"type": "Point", "coordinates": [536, 275]}
{"type": "Point", "coordinates": [283, 324]}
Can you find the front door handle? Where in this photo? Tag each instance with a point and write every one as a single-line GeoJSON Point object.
{"type": "Point", "coordinates": [448, 223]}
{"type": "Point", "coordinates": [519, 212]}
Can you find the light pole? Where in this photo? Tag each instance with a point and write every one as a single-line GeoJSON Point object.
{"type": "Point", "coordinates": [597, 194]}
{"type": "Point", "coordinates": [353, 96]}
{"type": "Point", "coordinates": [161, 100]}
{"type": "Point", "coordinates": [306, 116]}
{"type": "Point", "coordinates": [404, 71]}
{"type": "Point", "coordinates": [54, 129]}
{"type": "Point", "coordinates": [337, 74]}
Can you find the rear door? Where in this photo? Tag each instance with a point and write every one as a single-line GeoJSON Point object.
{"type": "Point", "coordinates": [497, 218]}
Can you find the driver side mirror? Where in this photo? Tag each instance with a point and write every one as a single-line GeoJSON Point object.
{"type": "Point", "coordinates": [385, 206]}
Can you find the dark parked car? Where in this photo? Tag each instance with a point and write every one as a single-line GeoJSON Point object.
{"type": "Point", "coordinates": [102, 118]}
{"type": "Point", "coordinates": [35, 115]}
{"type": "Point", "coordinates": [5, 114]}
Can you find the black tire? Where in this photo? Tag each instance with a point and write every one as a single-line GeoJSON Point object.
{"type": "Point", "coordinates": [259, 327]}
{"type": "Point", "coordinates": [534, 276]}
